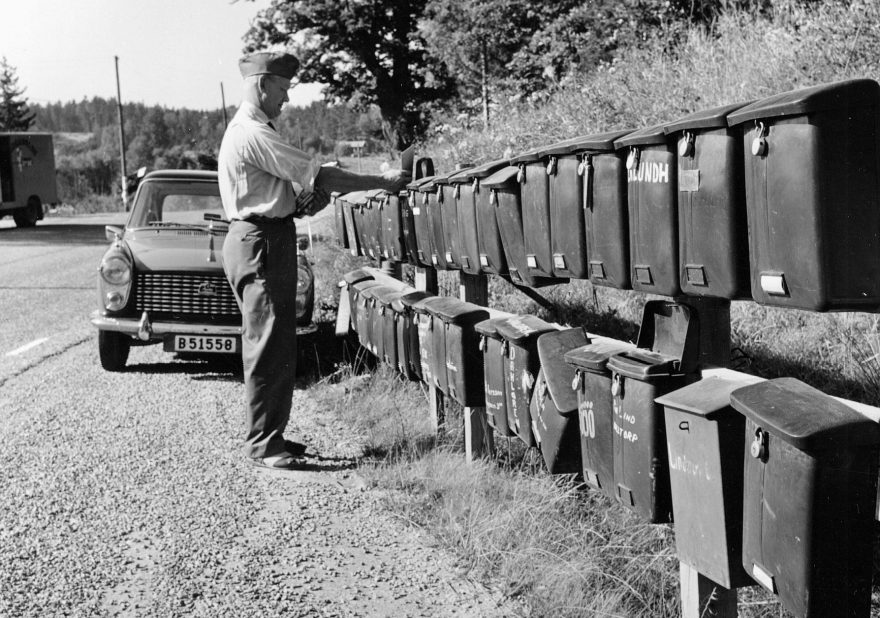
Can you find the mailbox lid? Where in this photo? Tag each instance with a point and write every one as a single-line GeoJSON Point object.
{"type": "Point", "coordinates": [561, 148]}
{"type": "Point", "coordinates": [529, 156]}
{"type": "Point", "coordinates": [364, 286]}
{"type": "Point", "coordinates": [648, 136]}
{"type": "Point", "coordinates": [458, 312]}
{"type": "Point", "coordinates": [412, 298]}
{"type": "Point", "coordinates": [355, 198]}
{"type": "Point", "coordinates": [594, 356]}
{"type": "Point", "coordinates": [558, 374]}
{"type": "Point", "coordinates": [460, 176]}
{"type": "Point", "coordinates": [598, 142]}
{"type": "Point", "coordinates": [485, 170]}
{"type": "Point", "coordinates": [521, 329]}
{"type": "Point", "coordinates": [709, 398]}
{"type": "Point", "coordinates": [423, 306]}
{"type": "Point", "coordinates": [489, 328]}
{"type": "Point", "coordinates": [416, 185]}
{"type": "Point", "coordinates": [844, 94]}
{"type": "Point", "coordinates": [805, 417]}
{"type": "Point", "coordinates": [356, 276]}
{"type": "Point", "coordinates": [667, 330]}
{"type": "Point", "coordinates": [378, 292]}
{"type": "Point", "coordinates": [713, 118]}
{"type": "Point", "coordinates": [428, 185]}
{"type": "Point", "coordinates": [505, 178]}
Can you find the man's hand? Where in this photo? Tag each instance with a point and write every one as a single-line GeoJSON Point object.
{"type": "Point", "coordinates": [398, 179]}
{"type": "Point", "coordinates": [310, 201]}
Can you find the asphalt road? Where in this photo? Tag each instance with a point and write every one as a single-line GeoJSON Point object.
{"type": "Point", "coordinates": [125, 494]}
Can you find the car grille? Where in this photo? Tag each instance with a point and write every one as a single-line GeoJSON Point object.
{"type": "Point", "coordinates": [179, 294]}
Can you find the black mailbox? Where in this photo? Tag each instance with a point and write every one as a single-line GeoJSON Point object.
{"type": "Point", "coordinates": [357, 200]}
{"type": "Point", "coordinates": [437, 344]}
{"type": "Point", "coordinates": [385, 324]}
{"type": "Point", "coordinates": [351, 278]}
{"type": "Point", "coordinates": [339, 220]}
{"type": "Point", "coordinates": [704, 437]}
{"type": "Point", "coordinates": [466, 185]}
{"type": "Point", "coordinates": [712, 225]}
{"type": "Point", "coordinates": [420, 324]}
{"type": "Point", "coordinates": [535, 198]}
{"type": "Point", "coordinates": [360, 309]}
{"type": "Point", "coordinates": [424, 322]}
{"type": "Point", "coordinates": [375, 305]}
{"type": "Point", "coordinates": [447, 198]}
{"type": "Point", "coordinates": [373, 215]}
{"type": "Point", "coordinates": [463, 361]}
{"type": "Point", "coordinates": [504, 197]}
{"type": "Point", "coordinates": [405, 331]}
{"type": "Point", "coordinates": [494, 347]}
{"type": "Point", "coordinates": [665, 361]}
{"type": "Point", "coordinates": [812, 171]}
{"type": "Point", "coordinates": [809, 495]}
{"type": "Point", "coordinates": [391, 216]}
{"type": "Point", "coordinates": [432, 203]}
{"type": "Point", "coordinates": [521, 335]}
{"type": "Point", "coordinates": [653, 220]}
{"type": "Point", "coordinates": [418, 201]}
{"type": "Point", "coordinates": [592, 384]}
{"type": "Point", "coordinates": [567, 243]}
{"type": "Point", "coordinates": [408, 227]}
{"type": "Point", "coordinates": [554, 404]}
{"type": "Point", "coordinates": [489, 244]}
{"type": "Point", "coordinates": [602, 172]}
{"type": "Point", "coordinates": [349, 214]}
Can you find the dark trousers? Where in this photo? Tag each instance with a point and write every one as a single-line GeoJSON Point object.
{"type": "Point", "coordinates": [260, 263]}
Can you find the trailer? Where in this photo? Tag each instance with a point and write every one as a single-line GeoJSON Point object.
{"type": "Point", "coordinates": [27, 176]}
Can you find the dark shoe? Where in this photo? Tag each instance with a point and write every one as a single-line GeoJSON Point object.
{"type": "Point", "coordinates": [279, 462]}
{"type": "Point", "coordinates": [295, 448]}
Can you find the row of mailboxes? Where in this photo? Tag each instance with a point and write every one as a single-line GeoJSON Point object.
{"type": "Point", "coordinates": [768, 482]}
{"type": "Point", "coordinates": [774, 200]}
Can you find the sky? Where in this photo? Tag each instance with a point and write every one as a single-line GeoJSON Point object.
{"type": "Point", "coordinates": [174, 53]}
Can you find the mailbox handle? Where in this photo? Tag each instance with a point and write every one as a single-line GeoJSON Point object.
{"type": "Point", "coordinates": [424, 167]}
{"type": "Point", "coordinates": [588, 182]}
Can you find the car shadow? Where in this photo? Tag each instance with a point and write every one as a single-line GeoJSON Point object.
{"type": "Point", "coordinates": [55, 234]}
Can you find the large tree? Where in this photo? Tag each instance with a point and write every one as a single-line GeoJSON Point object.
{"type": "Point", "coordinates": [15, 115]}
{"type": "Point", "coordinates": [365, 51]}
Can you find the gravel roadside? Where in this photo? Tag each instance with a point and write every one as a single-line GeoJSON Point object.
{"type": "Point", "coordinates": [125, 495]}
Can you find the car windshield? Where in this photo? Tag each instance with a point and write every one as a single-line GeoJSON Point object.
{"type": "Point", "coordinates": [175, 202]}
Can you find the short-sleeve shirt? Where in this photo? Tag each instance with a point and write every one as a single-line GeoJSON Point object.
{"type": "Point", "coordinates": [258, 172]}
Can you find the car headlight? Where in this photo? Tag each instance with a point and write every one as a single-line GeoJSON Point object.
{"type": "Point", "coordinates": [114, 280]}
{"type": "Point", "coordinates": [303, 280]}
{"type": "Point", "coordinates": [115, 270]}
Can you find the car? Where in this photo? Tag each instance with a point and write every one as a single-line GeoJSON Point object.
{"type": "Point", "coordinates": [162, 279]}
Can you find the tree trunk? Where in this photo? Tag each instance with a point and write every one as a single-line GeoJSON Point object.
{"type": "Point", "coordinates": [484, 61]}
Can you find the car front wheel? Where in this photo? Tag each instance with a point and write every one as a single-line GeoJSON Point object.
{"type": "Point", "coordinates": [113, 349]}
{"type": "Point", "coordinates": [28, 216]}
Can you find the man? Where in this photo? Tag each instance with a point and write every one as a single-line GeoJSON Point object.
{"type": "Point", "coordinates": [261, 183]}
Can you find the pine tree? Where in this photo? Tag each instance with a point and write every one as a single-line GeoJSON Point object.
{"type": "Point", "coordinates": [15, 115]}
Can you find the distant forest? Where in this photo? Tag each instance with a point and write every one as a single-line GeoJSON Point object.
{"type": "Point", "coordinates": [87, 138]}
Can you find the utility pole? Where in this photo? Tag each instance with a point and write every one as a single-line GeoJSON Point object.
{"type": "Point", "coordinates": [121, 137]}
{"type": "Point", "coordinates": [223, 101]}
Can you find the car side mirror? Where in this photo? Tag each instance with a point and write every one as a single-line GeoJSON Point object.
{"type": "Point", "coordinates": [112, 232]}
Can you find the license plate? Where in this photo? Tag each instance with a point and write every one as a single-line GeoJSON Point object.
{"type": "Point", "coordinates": [203, 344]}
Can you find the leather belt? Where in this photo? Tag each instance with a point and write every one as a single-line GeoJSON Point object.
{"type": "Point", "coordinates": [261, 220]}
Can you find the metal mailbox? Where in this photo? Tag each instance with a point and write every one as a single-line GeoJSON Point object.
{"type": "Point", "coordinates": [358, 200]}
{"type": "Point", "coordinates": [373, 218]}
{"type": "Point", "coordinates": [466, 186]}
{"type": "Point", "coordinates": [349, 214]}
{"type": "Point", "coordinates": [602, 170]}
{"type": "Point", "coordinates": [712, 227]}
{"type": "Point", "coordinates": [339, 220]}
{"type": "Point", "coordinates": [704, 437]}
{"type": "Point", "coordinates": [812, 173]}
{"type": "Point", "coordinates": [567, 246]}
{"type": "Point", "coordinates": [521, 334]}
{"type": "Point", "coordinates": [592, 384]}
{"type": "Point", "coordinates": [554, 404]}
{"type": "Point", "coordinates": [408, 228]}
{"type": "Point", "coordinates": [665, 361]}
{"type": "Point", "coordinates": [652, 194]}
{"type": "Point", "coordinates": [391, 216]}
{"type": "Point", "coordinates": [418, 201]}
{"type": "Point", "coordinates": [504, 197]}
{"type": "Point", "coordinates": [463, 361]}
{"type": "Point", "coordinates": [490, 249]}
{"type": "Point", "coordinates": [351, 278]}
{"type": "Point", "coordinates": [447, 200]}
{"type": "Point", "coordinates": [432, 203]}
{"type": "Point", "coordinates": [375, 316]}
{"type": "Point", "coordinates": [494, 349]}
{"type": "Point", "coordinates": [421, 327]}
{"type": "Point", "coordinates": [408, 355]}
{"type": "Point", "coordinates": [535, 197]}
{"type": "Point", "coordinates": [385, 325]}
{"type": "Point", "coordinates": [808, 499]}
{"type": "Point", "coordinates": [360, 310]}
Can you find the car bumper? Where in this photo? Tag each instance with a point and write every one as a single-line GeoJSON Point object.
{"type": "Point", "coordinates": [147, 330]}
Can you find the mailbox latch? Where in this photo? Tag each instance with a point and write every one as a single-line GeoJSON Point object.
{"type": "Point", "coordinates": [759, 445]}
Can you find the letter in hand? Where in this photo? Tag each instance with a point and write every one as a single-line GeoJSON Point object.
{"type": "Point", "coordinates": [399, 179]}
